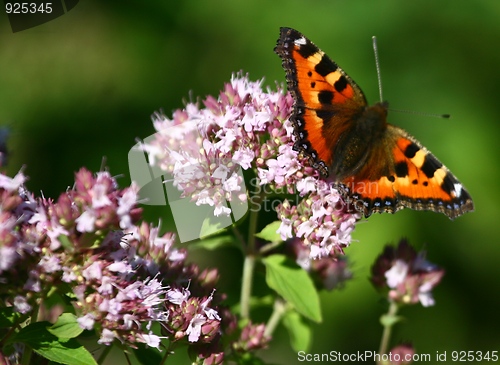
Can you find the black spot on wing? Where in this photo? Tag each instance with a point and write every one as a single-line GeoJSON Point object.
{"type": "Point", "coordinates": [325, 97]}
{"type": "Point", "coordinates": [325, 115]}
{"type": "Point", "coordinates": [401, 169]}
{"type": "Point", "coordinates": [307, 50]}
{"type": "Point", "coordinates": [340, 84]}
{"type": "Point", "coordinates": [431, 164]}
{"type": "Point", "coordinates": [448, 184]}
{"type": "Point", "coordinates": [411, 150]}
{"type": "Point", "coordinates": [325, 66]}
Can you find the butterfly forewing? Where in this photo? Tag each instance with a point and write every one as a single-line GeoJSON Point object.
{"type": "Point", "coordinates": [323, 95]}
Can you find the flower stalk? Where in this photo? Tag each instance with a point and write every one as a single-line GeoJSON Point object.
{"type": "Point", "coordinates": [246, 285]}
{"type": "Point", "coordinates": [388, 321]}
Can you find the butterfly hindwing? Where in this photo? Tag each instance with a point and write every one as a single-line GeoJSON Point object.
{"type": "Point", "coordinates": [411, 178]}
{"type": "Point", "coordinates": [428, 184]}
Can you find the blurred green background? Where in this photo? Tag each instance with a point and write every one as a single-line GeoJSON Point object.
{"type": "Point", "coordinates": [84, 86]}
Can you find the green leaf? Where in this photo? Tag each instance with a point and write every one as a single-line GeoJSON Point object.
{"type": "Point", "coordinates": [66, 327]}
{"type": "Point", "coordinates": [210, 226]}
{"type": "Point", "coordinates": [299, 331]}
{"type": "Point", "coordinates": [265, 301]}
{"type": "Point", "coordinates": [213, 243]}
{"type": "Point", "coordinates": [8, 317]}
{"type": "Point", "coordinates": [70, 353]}
{"type": "Point", "coordinates": [294, 284]}
{"type": "Point", "coordinates": [389, 320]}
{"type": "Point", "coordinates": [269, 232]}
{"type": "Point", "coordinates": [44, 343]}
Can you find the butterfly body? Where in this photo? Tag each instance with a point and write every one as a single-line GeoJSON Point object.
{"type": "Point", "coordinates": [377, 166]}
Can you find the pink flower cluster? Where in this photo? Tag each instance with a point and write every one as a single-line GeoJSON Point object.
{"type": "Point", "coordinates": [248, 128]}
{"type": "Point", "coordinates": [321, 219]}
{"type": "Point", "coordinates": [407, 276]}
{"type": "Point", "coordinates": [121, 277]}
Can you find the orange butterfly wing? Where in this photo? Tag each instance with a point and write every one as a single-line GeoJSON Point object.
{"type": "Point", "coordinates": [378, 167]}
{"type": "Point", "coordinates": [414, 179]}
{"type": "Point", "coordinates": [324, 96]}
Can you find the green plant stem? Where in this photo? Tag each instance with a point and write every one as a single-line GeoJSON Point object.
{"type": "Point", "coordinates": [246, 286]}
{"type": "Point", "coordinates": [239, 237]}
{"type": "Point", "coordinates": [28, 351]}
{"type": "Point", "coordinates": [279, 310]}
{"type": "Point", "coordinates": [386, 336]}
{"type": "Point", "coordinates": [169, 351]}
{"type": "Point", "coordinates": [127, 357]}
{"type": "Point", "coordinates": [252, 228]}
{"type": "Point", "coordinates": [249, 265]}
{"type": "Point", "coordinates": [269, 247]}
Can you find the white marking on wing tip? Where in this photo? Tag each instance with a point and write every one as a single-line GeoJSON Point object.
{"type": "Point", "coordinates": [458, 190]}
{"type": "Point", "coordinates": [300, 42]}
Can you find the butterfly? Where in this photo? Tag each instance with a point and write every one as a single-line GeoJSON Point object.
{"type": "Point", "coordinates": [376, 166]}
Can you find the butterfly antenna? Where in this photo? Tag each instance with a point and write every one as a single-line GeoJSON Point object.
{"type": "Point", "coordinates": [445, 116]}
{"type": "Point", "coordinates": [377, 65]}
